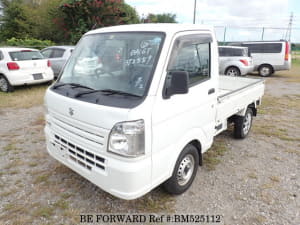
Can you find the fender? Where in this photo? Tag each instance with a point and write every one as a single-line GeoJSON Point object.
{"type": "Point", "coordinates": [252, 106]}
{"type": "Point", "coordinates": [169, 156]}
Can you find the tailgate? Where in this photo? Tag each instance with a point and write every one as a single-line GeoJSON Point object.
{"type": "Point", "coordinates": [33, 65]}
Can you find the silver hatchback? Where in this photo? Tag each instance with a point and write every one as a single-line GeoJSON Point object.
{"type": "Point", "coordinates": [58, 55]}
{"type": "Point", "coordinates": [235, 61]}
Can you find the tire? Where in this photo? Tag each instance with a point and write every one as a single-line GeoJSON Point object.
{"type": "Point", "coordinates": [49, 82]}
{"type": "Point", "coordinates": [242, 124]}
{"type": "Point", "coordinates": [5, 85]}
{"type": "Point", "coordinates": [184, 172]}
{"type": "Point", "coordinates": [265, 70]}
{"type": "Point", "coordinates": [233, 72]}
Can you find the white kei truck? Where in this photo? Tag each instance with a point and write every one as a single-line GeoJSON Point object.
{"type": "Point", "coordinates": [136, 106]}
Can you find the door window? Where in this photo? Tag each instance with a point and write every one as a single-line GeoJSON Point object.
{"type": "Point", "coordinates": [47, 53]}
{"type": "Point", "coordinates": [57, 53]}
{"type": "Point", "coordinates": [194, 58]}
{"type": "Point", "coordinates": [264, 47]}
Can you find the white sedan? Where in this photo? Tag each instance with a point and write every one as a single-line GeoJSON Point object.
{"type": "Point", "coordinates": [22, 66]}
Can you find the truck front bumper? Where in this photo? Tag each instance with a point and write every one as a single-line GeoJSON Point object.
{"type": "Point", "coordinates": [124, 179]}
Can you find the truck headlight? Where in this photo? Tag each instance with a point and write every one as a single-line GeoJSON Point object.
{"type": "Point", "coordinates": [128, 138]}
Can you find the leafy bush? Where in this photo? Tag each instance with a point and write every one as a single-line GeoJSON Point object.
{"type": "Point", "coordinates": [29, 42]}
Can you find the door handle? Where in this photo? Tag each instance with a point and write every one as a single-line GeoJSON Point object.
{"type": "Point", "coordinates": [211, 91]}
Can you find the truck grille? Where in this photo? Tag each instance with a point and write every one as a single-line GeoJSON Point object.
{"type": "Point", "coordinates": [95, 136]}
{"type": "Point", "coordinates": [79, 155]}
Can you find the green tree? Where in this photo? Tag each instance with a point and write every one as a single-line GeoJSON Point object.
{"type": "Point", "coordinates": [161, 18]}
{"type": "Point", "coordinates": [30, 19]}
{"type": "Point", "coordinates": [14, 21]}
{"type": "Point", "coordinates": [42, 19]}
{"type": "Point", "coordinates": [80, 16]}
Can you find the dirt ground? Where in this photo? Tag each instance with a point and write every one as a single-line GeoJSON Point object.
{"type": "Point", "coordinates": [250, 181]}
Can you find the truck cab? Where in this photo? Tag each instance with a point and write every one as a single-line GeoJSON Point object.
{"type": "Point", "coordinates": [137, 105]}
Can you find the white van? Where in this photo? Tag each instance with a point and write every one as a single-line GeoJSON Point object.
{"type": "Point", "coordinates": [269, 56]}
{"type": "Point", "coordinates": [149, 111]}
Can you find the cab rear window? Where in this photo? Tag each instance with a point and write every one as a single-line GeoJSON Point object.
{"type": "Point", "coordinates": [25, 55]}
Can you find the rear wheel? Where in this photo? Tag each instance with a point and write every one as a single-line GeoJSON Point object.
{"type": "Point", "coordinates": [5, 85]}
{"type": "Point", "coordinates": [184, 172]}
{"type": "Point", "coordinates": [233, 71]}
{"type": "Point", "coordinates": [242, 124]}
{"type": "Point", "coordinates": [265, 70]}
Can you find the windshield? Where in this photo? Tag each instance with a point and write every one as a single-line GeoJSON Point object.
{"type": "Point", "coordinates": [116, 61]}
{"type": "Point", "coordinates": [25, 55]}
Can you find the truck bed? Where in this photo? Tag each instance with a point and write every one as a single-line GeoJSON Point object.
{"type": "Point", "coordinates": [235, 94]}
{"type": "Point", "coordinates": [231, 85]}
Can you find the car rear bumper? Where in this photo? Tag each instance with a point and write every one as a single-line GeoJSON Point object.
{"type": "Point", "coordinates": [246, 69]}
{"type": "Point", "coordinates": [285, 66]}
{"type": "Point", "coordinates": [20, 78]}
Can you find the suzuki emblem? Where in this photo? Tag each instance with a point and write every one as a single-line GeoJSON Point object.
{"type": "Point", "coordinates": [71, 111]}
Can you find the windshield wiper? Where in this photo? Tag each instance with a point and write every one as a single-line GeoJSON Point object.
{"type": "Point", "coordinates": [86, 92]}
{"type": "Point", "coordinates": [72, 84]}
{"type": "Point", "coordinates": [112, 92]}
{"type": "Point", "coordinates": [107, 91]}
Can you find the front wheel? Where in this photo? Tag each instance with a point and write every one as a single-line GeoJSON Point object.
{"type": "Point", "coordinates": [184, 172]}
{"type": "Point", "coordinates": [5, 85]}
{"type": "Point", "coordinates": [242, 124]}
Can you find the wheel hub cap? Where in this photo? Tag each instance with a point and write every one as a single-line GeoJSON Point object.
{"type": "Point", "coordinates": [247, 123]}
{"type": "Point", "coordinates": [231, 73]}
{"type": "Point", "coordinates": [185, 170]}
{"type": "Point", "coordinates": [3, 84]}
{"type": "Point", "coordinates": [265, 71]}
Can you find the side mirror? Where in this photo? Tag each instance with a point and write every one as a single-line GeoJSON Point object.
{"type": "Point", "coordinates": [177, 83]}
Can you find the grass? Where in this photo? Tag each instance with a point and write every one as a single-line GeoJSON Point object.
{"type": "Point", "coordinates": [273, 106]}
{"type": "Point", "coordinates": [16, 209]}
{"type": "Point", "coordinates": [293, 151]}
{"type": "Point", "coordinates": [211, 157]}
{"type": "Point", "coordinates": [32, 164]}
{"type": "Point", "coordinates": [40, 121]}
{"type": "Point", "coordinates": [41, 179]}
{"type": "Point", "coordinates": [252, 175]}
{"type": "Point", "coordinates": [23, 97]}
{"type": "Point", "coordinates": [44, 211]}
{"type": "Point", "coordinates": [274, 178]}
{"type": "Point", "coordinates": [270, 104]}
{"type": "Point", "coordinates": [7, 193]}
{"type": "Point", "coordinates": [13, 164]}
{"type": "Point", "coordinates": [61, 204]}
{"type": "Point", "coordinates": [260, 219]}
{"type": "Point", "coordinates": [292, 75]}
{"type": "Point", "coordinates": [270, 130]}
{"type": "Point", "coordinates": [10, 147]}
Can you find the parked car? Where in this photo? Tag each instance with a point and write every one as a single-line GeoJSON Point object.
{"type": "Point", "coordinates": [20, 66]}
{"type": "Point", "coordinates": [132, 127]}
{"type": "Point", "coordinates": [268, 56]}
{"type": "Point", "coordinates": [234, 61]}
{"type": "Point", "coordinates": [58, 55]}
